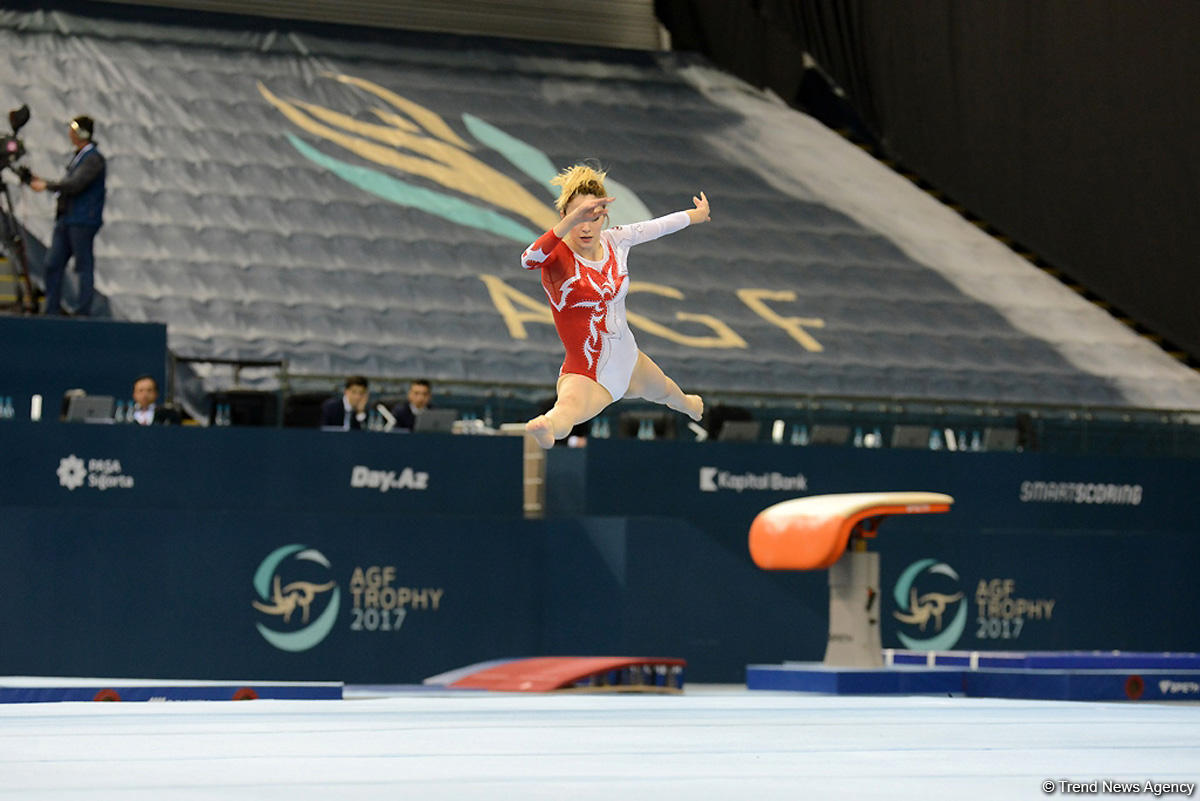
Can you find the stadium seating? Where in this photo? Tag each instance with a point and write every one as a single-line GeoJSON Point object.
{"type": "Point", "coordinates": [360, 207]}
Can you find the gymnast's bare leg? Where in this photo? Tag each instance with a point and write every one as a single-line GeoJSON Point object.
{"type": "Point", "coordinates": [579, 399]}
{"type": "Point", "coordinates": [651, 383]}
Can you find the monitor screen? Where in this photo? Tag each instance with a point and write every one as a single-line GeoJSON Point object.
{"type": "Point", "coordinates": [90, 409]}
{"type": "Point", "coordinates": [432, 420]}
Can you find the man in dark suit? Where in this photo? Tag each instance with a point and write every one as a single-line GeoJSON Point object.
{"type": "Point", "coordinates": [78, 217]}
{"type": "Point", "coordinates": [349, 410]}
{"type": "Point", "coordinates": [420, 393]}
{"type": "Point", "coordinates": [145, 409]}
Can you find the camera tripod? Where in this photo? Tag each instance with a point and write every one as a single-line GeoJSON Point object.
{"type": "Point", "coordinates": [12, 246]}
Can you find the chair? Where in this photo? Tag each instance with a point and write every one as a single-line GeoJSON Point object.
{"type": "Point", "coordinates": [303, 409]}
{"type": "Point", "coordinates": [246, 407]}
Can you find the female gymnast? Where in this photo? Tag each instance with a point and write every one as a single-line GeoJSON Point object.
{"type": "Point", "coordinates": [585, 275]}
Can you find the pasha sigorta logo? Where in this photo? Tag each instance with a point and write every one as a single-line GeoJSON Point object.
{"type": "Point", "coordinates": [928, 594]}
{"type": "Point", "coordinates": [71, 472]}
{"type": "Point", "coordinates": [102, 474]}
{"type": "Point", "coordinates": [293, 584]}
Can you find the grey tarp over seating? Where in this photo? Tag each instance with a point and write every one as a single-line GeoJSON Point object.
{"type": "Point", "coordinates": [254, 237]}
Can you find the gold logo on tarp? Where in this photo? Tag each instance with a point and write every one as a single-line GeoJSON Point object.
{"type": "Point", "coordinates": [285, 600]}
{"type": "Point", "coordinates": [412, 139]}
{"type": "Point", "coordinates": [930, 605]}
{"type": "Point", "coordinates": [412, 149]}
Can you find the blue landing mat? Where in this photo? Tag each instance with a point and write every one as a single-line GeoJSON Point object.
{"type": "Point", "coordinates": [1085, 685]}
{"type": "Point", "coordinates": [1041, 660]}
{"type": "Point", "coordinates": [33, 690]}
{"type": "Point", "coordinates": [816, 678]}
{"type": "Point", "coordinates": [1061, 676]}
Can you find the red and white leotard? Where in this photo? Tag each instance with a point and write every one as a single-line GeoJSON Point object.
{"type": "Point", "coordinates": [588, 299]}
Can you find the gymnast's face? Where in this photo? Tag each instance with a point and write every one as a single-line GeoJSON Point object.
{"type": "Point", "coordinates": [585, 236]}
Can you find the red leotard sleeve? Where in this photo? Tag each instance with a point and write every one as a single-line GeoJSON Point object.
{"type": "Point", "coordinates": [544, 252]}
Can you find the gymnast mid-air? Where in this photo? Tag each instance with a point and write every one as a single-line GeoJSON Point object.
{"type": "Point", "coordinates": [586, 278]}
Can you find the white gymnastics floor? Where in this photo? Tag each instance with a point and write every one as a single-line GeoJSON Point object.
{"type": "Point", "coordinates": [710, 743]}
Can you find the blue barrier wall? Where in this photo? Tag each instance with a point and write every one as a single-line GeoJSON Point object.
{"type": "Point", "coordinates": [153, 593]}
{"type": "Point", "coordinates": [1039, 551]}
{"type": "Point", "coordinates": [170, 569]}
{"type": "Point", "coordinates": [48, 355]}
{"type": "Point", "coordinates": [721, 486]}
{"type": "Point", "coordinates": [636, 585]}
{"type": "Point", "coordinates": [149, 593]}
{"type": "Point", "coordinates": [664, 587]}
{"type": "Point", "coordinates": [135, 551]}
{"type": "Point", "coordinates": [134, 467]}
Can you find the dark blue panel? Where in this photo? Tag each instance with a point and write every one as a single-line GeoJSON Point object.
{"type": "Point", "coordinates": [118, 691]}
{"type": "Point", "coordinates": [816, 678]}
{"type": "Point", "coordinates": [1054, 685]}
{"type": "Point", "coordinates": [1074, 562]}
{"type": "Point", "coordinates": [727, 484]}
{"type": "Point", "coordinates": [1079, 686]}
{"type": "Point", "coordinates": [47, 356]}
{"type": "Point", "coordinates": [129, 466]}
{"type": "Point", "coordinates": [98, 580]}
{"type": "Point", "coordinates": [663, 587]}
{"type": "Point", "coordinates": [159, 594]}
{"type": "Point", "coordinates": [1044, 589]}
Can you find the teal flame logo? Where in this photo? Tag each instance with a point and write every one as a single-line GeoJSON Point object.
{"type": "Point", "coordinates": [926, 611]}
{"type": "Point", "coordinates": [292, 601]}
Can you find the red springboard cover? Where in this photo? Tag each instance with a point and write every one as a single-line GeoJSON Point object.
{"type": "Point", "coordinates": [546, 673]}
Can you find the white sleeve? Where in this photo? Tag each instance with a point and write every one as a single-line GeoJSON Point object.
{"type": "Point", "coordinates": [637, 233]}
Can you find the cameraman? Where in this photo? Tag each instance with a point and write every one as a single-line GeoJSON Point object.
{"type": "Point", "coordinates": [78, 217]}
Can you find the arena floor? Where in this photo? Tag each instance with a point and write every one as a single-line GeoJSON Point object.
{"type": "Point", "coordinates": [709, 743]}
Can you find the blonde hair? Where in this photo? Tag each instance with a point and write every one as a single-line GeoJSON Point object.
{"type": "Point", "coordinates": [580, 179]}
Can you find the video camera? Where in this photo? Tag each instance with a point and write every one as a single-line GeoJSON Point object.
{"type": "Point", "coordinates": [12, 148]}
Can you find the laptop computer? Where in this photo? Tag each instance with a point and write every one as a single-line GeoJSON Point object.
{"type": "Point", "coordinates": [90, 409]}
{"type": "Point", "coordinates": [739, 431]}
{"type": "Point", "coordinates": [830, 434]}
{"type": "Point", "coordinates": [1000, 439]}
{"type": "Point", "coordinates": [435, 421]}
{"type": "Point", "coordinates": [910, 436]}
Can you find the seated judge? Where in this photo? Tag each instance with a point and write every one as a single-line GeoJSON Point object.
{"type": "Point", "coordinates": [420, 393]}
{"type": "Point", "coordinates": [146, 409]}
{"type": "Point", "coordinates": [349, 410]}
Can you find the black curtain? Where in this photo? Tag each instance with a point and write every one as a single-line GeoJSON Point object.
{"type": "Point", "coordinates": [1070, 125]}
